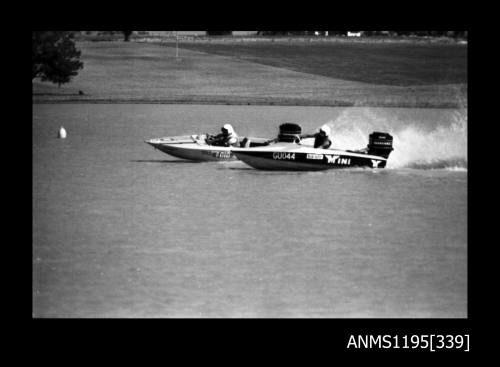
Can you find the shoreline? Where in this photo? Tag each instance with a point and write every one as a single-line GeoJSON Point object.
{"type": "Point", "coordinates": [247, 102]}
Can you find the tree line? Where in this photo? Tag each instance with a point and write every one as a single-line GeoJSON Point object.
{"type": "Point", "coordinates": [455, 34]}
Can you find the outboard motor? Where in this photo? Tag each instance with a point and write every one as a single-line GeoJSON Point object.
{"type": "Point", "coordinates": [380, 144]}
{"type": "Point", "coordinates": [289, 133]}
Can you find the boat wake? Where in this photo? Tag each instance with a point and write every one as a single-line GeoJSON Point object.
{"type": "Point", "coordinates": [418, 143]}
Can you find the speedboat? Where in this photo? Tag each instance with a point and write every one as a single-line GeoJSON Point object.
{"type": "Point", "coordinates": [288, 153]}
{"type": "Point", "coordinates": [196, 148]}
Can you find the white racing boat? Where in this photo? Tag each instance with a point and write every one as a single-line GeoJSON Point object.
{"type": "Point", "coordinates": [288, 154]}
{"type": "Point", "coordinates": [195, 148]}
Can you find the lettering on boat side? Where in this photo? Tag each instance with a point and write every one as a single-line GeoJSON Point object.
{"type": "Point", "coordinates": [314, 156]}
{"type": "Point", "coordinates": [218, 154]}
{"type": "Point", "coordinates": [375, 163]}
{"type": "Point", "coordinates": [223, 154]}
{"type": "Point", "coordinates": [383, 143]}
{"type": "Point", "coordinates": [336, 159]}
{"type": "Point", "coordinates": [283, 155]}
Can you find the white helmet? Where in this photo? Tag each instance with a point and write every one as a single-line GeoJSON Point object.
{"type": "Point", "coordinates": [229, 128]}
{"type": "Point", "coordinates": [326, 129]}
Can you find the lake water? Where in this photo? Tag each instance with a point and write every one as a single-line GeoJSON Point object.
{"type": "Point", "coordinates": [123, 230]}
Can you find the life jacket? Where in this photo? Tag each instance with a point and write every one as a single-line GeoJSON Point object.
{"type": "Point", "coordinates": [221, 140]}
{"type": "Point", "coordinates": [232, 139]}
{"type": "Point", "coordinates": [322, 142]}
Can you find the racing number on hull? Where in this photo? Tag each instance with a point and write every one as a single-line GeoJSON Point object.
{"type": "Point", "coordinates": [218, 154]}
{"type": "Point", "coordinates": [223, 155]}
{"type": "Point", "coordinates": [283, 155]}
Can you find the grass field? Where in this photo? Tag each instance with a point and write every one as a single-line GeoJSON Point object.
{"type": "Point", "coordinates": [401, 64]}
{"type": "Point", "coordinates": [294, 73]}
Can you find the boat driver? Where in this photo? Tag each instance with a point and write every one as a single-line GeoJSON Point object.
{"type": "Point", "coordinates": [321, 138]}
{"type": "Point", "coordinates": [227, 138]}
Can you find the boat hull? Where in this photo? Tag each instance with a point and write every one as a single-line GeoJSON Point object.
{"type": "Point", "coordinates": [192, 149]}
{"type": "Point", "coordinates": [195, 153]}
{"type": "Point", "coordinates": [285, 158]}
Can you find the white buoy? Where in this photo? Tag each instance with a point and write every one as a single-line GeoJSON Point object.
{"type": "Point", "coordinates": [62, 133]}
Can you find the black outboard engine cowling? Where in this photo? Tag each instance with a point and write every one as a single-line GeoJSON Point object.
{"type": "Point", "coordinates": [289, 133]}
{"type": "Point", "coordinates": [380, 144]}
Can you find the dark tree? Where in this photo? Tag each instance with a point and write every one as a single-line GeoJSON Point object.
{"type": "Point", "coordinates": [54, 56]}
{"type": "Point", "coordinates": [127, 34]}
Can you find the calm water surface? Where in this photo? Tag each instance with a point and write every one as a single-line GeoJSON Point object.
{"type": "Point", "coordinates": [122, 230]}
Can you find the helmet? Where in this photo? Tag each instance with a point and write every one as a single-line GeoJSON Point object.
{"type": "Point", "coordinates": [326, 129]}
{"type": "Point", "coordinates": [228, 128]}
